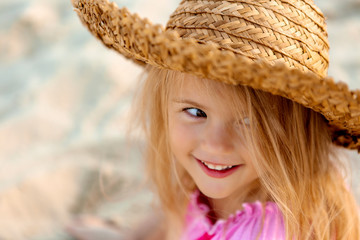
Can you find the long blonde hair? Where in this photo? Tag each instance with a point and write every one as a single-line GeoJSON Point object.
{"type": "Point", "coordinates": [297, 163]}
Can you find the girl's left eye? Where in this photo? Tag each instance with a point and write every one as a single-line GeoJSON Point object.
{"type": "Point", "coordinates": [195, 112]}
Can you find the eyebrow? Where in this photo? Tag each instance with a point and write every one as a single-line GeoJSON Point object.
{"type": "Point", "coordinates": [187, 101]}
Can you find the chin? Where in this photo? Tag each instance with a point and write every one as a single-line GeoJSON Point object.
{"type": "Point", "coordinates": [215, 193]}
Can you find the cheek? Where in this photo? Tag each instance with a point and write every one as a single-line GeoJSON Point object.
{"type": "Point", "coordinates": [250, 165]}
{"type": "Point", "coordinates": [182, 137]}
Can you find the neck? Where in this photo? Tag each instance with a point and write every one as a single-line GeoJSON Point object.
{"type": "Point", "coordinates": [222, 208]}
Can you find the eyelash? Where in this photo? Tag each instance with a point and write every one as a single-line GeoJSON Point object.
{"type": "Point", "coordinates": [197, 111]}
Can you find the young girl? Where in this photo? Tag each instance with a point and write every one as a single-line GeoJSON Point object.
{"type": "Point", "coordinates": [240, 119]}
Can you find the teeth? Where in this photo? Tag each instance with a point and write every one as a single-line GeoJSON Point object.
{"type": "Point", "coordinates": [216, 167]}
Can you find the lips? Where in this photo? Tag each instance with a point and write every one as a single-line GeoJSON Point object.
{"type": "Point", "coordinates": [217, 171]}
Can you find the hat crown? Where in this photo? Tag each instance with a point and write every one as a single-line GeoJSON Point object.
{"type": "Point", "coordinates": [288, 31]}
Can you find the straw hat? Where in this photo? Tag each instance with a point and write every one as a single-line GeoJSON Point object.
{"type": "Point", "coordinates": [278, 46]}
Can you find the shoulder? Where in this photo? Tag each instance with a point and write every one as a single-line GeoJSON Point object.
{"type": "Point", "coordinates": [257, 220]}
{"type": "Point", "coordinates": [273, 225]}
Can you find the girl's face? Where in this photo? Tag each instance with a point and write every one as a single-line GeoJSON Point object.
{"type": "Point", "coordinates": [207, 139]}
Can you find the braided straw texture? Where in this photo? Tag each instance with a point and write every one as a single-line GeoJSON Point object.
{"type": "Point", "coordinates": [278, 31]}
{"type": "Point", "coordinates": [277, 46]}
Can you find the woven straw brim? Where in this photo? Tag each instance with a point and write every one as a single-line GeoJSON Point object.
{"type": "Point", "coordinates": [145, 43]}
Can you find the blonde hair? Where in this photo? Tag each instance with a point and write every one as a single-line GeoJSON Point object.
{"type": "Point", "coordinates": [297, 163]}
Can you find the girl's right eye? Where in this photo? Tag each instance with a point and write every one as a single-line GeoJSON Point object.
{"type": "Point", "coordinates": [195, 112]}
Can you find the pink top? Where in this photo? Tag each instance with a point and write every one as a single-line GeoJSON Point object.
{"type": "Point", "coordinates": [244, 224]}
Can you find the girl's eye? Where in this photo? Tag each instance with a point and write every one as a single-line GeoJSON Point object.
{"type": "Point", "coordinates": [195, 112]}
{"type": "Point", "coordinates": [246, 121]}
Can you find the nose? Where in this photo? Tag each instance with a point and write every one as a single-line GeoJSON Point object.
{"type": "Point", "coordinates": [218, 138]}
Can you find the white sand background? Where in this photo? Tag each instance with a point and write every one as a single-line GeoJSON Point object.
{"type": "Point", "coordinates": [63, 104]}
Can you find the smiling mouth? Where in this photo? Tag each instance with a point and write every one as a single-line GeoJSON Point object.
{"type": "Point", "coordinates": [217, 167]}
{"type": "Point", "coordinates": [217, 171]}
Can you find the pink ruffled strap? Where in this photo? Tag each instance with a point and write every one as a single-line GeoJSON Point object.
{"type": "Point", "coordinates": [255, 221]}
